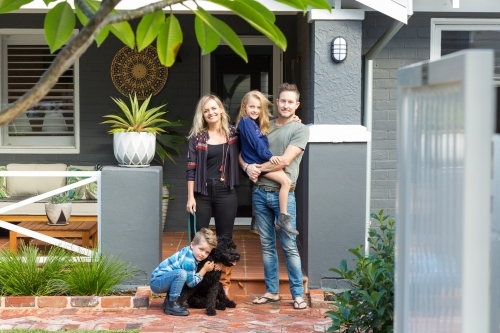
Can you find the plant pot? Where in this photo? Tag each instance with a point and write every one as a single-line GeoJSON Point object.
{"type": "Point", "coordinates": [164, 207]}
{"type": "Point", "coordinates": [134, 149]}
{"type": "Point", "coordinates": [58, 214]}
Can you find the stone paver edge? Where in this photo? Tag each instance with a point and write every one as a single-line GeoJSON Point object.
{"type": "Point", "coordinates": [141, 299]}
{"type": "Point", "coordinates": [317, 297]}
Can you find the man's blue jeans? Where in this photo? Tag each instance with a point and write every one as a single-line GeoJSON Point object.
{"type": "Point", "coordinates": [170, 282]}
{"type": "Point", "coordinates": [267, 209]}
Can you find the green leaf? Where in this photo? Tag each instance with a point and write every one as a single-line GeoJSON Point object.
{"type": "Point", "coordinates": [258, 20]}
{"type": "Point", "coordinates": [148, 29]}
{"type": "Point", "coordinates": [48, 1]}
{"type": "Point", "coordinates": [101, 36]}
{"type": "Point", "coordinates": [11, 5]}
{"type": "Point", "coordinates": [224, 31]}
{"type": "Point", "coordinates": [356, 252]}
{"type": "Point", "coordinates": [374, 216]}
{"type": "Point", "coordinates": [169, 41]}
{"type": "Point", "coordinates": [123, 31]}
{"type": "Point", "coordinates": [207, 38]}
{"type": "Point", "coordinates": [59, 24]}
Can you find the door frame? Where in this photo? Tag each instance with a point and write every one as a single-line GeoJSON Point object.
{"type": "Point", "coordinates": [246, 40]}
{"type": "Point", "coordinates": [277, 80]}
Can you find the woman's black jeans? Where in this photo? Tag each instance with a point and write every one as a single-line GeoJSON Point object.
{"type": "Point", "coordinates": [221, 203]}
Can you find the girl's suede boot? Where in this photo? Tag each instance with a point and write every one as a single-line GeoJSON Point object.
{"type": "Point", "coordinates": [175, 309]}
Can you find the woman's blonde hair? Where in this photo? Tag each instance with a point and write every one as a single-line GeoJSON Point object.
{"type": "Point", "coordinates": [199, 123]}
{"type": "Point", "coordinates": [265, 109]}
{"type": "Point", "coordinates": [207, 235]}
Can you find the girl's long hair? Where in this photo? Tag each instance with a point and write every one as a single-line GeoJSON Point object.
{"type": "Point", "coordinates": [265, 109]}
{"type": "Point", "coordinates": [200, 125]}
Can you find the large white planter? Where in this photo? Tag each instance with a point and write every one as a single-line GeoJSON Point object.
{"type": "Point", "coordinates": [134, 149]}
{"type": "Point", "coordinates": [58, 214]}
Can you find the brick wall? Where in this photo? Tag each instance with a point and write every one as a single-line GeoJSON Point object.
{"type": "Point", "coordinates": [410, 45]}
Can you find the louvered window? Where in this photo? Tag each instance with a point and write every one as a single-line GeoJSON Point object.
{"type": "Point", "coordinates": [52, 123]}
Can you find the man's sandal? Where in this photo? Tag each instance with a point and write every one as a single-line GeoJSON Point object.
{"type": "Point", "coordinates": [264, 300]}
{"type": "Point", "coordinates": [298, 305]}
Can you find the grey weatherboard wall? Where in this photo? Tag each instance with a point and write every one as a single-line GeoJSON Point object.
{"type": "Point", "coordinates": [131, 219]}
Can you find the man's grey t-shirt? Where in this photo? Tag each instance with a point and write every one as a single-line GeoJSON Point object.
{"type": "Point", "coordinates": [280, 137]}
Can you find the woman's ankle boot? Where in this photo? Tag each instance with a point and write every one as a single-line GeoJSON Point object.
{"type": "Point", "coordinates": [175, 309]}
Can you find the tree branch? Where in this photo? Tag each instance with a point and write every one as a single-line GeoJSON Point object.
{"type": "Point", "coordinates": [140, 12]}
{"type": "Point", "coordinates": [84, 8]}
{"type": "Point", "coordinates": [62, 62]}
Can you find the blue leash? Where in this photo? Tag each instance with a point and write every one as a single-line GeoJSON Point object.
{"type": "Point", "coordinates": [189, 226]}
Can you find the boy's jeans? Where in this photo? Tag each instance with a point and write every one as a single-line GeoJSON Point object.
{"type": "Point", "coordinates": [171, 282]}
{"type": "Point", "coordinates": [266, 209]}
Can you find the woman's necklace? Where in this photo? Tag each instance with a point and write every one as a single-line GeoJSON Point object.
{"type": "Point", "coordinates": [222, 168]}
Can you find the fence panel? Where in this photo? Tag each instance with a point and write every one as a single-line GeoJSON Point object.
{"type": "Point", "coordinates": [445, 128]}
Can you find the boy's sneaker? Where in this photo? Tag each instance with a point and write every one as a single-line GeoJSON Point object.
{"type": "Point", "coordinates": [284, 223]}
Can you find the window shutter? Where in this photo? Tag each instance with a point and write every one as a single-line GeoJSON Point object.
{"type": "Point", "coordinates": [54, 115]}
{"type": "Point", "coordinates": [397, 9]}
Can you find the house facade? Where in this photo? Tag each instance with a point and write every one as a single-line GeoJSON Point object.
{"type": "Point", "coordinates": [350, 106]}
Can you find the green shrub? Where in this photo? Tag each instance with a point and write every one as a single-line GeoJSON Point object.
{"type": "Point", "coordinates": [60, 274]}
{"type": "Point", "coordinates": [96, 277]}
{"type": "Point", "coordinates": [369, 305]}
{"type": "Point", "coordinates": [22, 275]}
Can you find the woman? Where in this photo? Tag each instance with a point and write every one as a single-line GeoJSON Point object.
{"type": "Point", "coordinates": [212, 170]}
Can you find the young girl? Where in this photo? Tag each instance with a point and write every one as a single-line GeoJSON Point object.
{"type": "Point", "coordinates": [253, 125]}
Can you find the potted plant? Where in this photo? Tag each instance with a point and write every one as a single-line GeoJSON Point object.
{"type": "Point", "coordinates": [136, 130]}
{"type": "Point", "coordinates": [58, 210]}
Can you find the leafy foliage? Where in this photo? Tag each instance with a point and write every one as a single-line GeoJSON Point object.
{"type": "Point", "coordinates": [60, 198]}
{"type": "Point", "coordinates": [99, 18]}
{"type": "Point", "coordinates": [21, 275]}
{"type": "Point", "coordinates": [60, 274]}
{"type": "Point", "coordinates": [141, 119]}
{"type": "Point", "coordinates": [60, 21]}
{"type": "Point", "coordinates": [369, 305]}
{"type": "Point", "coordinates": [97, 277]}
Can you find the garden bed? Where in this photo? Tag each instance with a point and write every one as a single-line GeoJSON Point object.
{"type": "Point", "coordinates": [141, 299]}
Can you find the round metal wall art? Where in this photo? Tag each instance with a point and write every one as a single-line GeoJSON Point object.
{"type": "Point", "coordinates": [138, 73]}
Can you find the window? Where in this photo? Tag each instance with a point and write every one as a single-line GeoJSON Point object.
{"type": "Point", "coordinates": [52, 124]}
{"type": "Point", "coordinates": [451, 35]}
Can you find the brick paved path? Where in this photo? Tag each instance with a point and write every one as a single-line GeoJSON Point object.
{"type": "Point", "coordinates": [245, 317]}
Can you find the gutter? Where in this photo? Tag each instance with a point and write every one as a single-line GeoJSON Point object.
{"type": "Point", "coordinates": [368, 114]}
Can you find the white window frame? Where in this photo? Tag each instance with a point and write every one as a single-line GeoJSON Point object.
{"type": "Point", "coordinates": [456, 24]}
{"type": "Point", "coordinates": [36, 36]}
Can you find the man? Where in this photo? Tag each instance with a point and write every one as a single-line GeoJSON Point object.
{"type": "Point", "coordinates": [287, 139]}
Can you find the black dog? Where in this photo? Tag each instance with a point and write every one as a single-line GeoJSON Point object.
{"type": "Point", "coordinates": [209, 293]}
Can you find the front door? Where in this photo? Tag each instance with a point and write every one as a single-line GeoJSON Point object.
{"type": "Point", "coordinates": [231, 78]}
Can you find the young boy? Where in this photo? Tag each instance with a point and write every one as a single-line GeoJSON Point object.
{"type": "Point", "coordinates": [180, 268]}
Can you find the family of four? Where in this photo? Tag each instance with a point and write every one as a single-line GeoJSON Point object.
{"type": "Point", "coordinates": [271, 151]}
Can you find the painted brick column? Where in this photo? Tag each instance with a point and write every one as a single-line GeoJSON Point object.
{"type": "Point", "coordinates": [332, 188]}
{"type": "Point", "coordinates": [131, 217]}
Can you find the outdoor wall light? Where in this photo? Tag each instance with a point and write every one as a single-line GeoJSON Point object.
{"type": "Point", "coordinates": [339, 49]}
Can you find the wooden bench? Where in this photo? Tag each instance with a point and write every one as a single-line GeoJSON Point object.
{"type": "Point", "coordinates": [85, 230]}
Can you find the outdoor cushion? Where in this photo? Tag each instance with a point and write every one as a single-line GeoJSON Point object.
{"type": "Point", "coordinates": [85, 192]}
{"type": "Point", "coordinates": [3, 184]}
{"type": "Point", "coordinates": [34, 185]}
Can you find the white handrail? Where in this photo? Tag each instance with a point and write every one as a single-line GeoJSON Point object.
{"type": "Point", "coordinates": [93, 176]}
